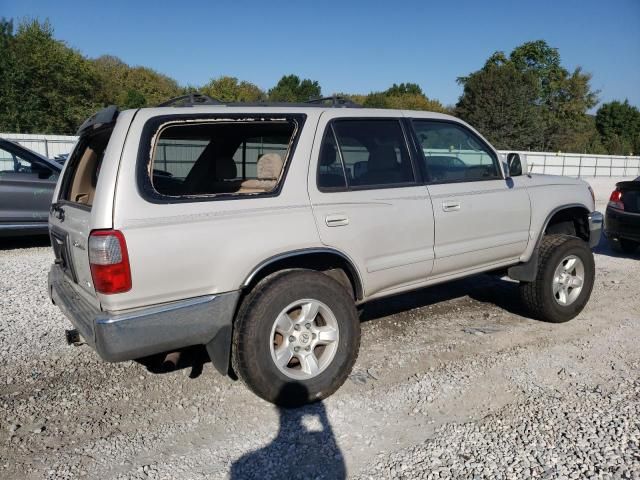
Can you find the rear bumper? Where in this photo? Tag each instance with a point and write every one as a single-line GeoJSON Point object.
{"type": "Point", "coordinates": [620, 224]}
{"type": "Point", "coordinates": [595, 228]}
{"type": "Point", "coordinates": [137, 333]}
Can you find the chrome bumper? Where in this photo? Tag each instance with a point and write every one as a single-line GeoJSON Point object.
{"type": "Point", "coordinates": [132, 334]}
{"type": "Point", "coordinates": [595, 228]}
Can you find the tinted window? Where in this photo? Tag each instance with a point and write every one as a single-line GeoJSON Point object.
{"type": "Point", "coordinates": [330, 171]}
{"type": "Point", "coordinates": [453, 153]}
{"type": "Point", "coordinates": [373, 152]}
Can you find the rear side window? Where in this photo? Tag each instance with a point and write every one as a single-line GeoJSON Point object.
{"type": "Point", "coordinates": [364, 154]}
{"type": "Point", "coordinates": [81, 175]}
{"type": "Point", "coordinates": [454, 154]}
{"type": "Point", "coordinates": [221, 157]}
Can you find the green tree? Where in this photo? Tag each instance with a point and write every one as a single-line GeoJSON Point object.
{"type": "Point", "coordinates": [619, 126]}
{"type": "Point", "coordinates": [404, 96]}
{"type": "Point", "coordinates": [229, 89]}
{"type": "Point", "coordinates": [559, 99]}
{"type": "Point", "coordinates": [500, 101]}
{"type": "Point", "coordinates": [46, 86]}
{"type": "Point", "coordinates": [291, 89]}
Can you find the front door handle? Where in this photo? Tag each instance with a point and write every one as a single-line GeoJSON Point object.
{"type": "Point", "coordinates": [450, 206]}
{"type": "Point", "coordinates": [336, 220]}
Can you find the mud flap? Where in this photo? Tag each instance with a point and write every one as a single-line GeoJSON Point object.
{"type": "Point", "coordinates": [219, 349]}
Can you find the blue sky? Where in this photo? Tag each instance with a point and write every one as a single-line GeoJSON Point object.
{"type": "Point", "coordinates": [355, 46]}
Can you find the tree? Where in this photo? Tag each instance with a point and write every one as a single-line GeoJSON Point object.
{"type": "Point", "coordinates": [46, 86]}
{"type": "Point", "coordinates": [229, 89]}
{"type": "Point", "coordinates": [500, 101]}
{"type": "Point", "coordinates": [559, 99]}
{"type": "Point", "coordinates": [291, 89]}
{"type": "Point", "coordinates": [405, 96]}
{"type": "Point", "coordinates": [619, 126]}
{"type": "Point", "coordinates": [132, 87]}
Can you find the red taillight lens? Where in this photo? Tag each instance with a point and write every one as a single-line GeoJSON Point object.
{"type": "Point", "coordinates": [615, 200]}
{"type": "Point", "coordinates": [109, 262]}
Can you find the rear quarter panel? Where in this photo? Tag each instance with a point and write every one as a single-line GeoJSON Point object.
{"type": "Point", "coordinates": [183, 250]}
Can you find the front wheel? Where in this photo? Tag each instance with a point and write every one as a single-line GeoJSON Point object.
{"type": "Point", "coordinates": [564, 281]}
{"type": "Point", "coordinates": [297, 327]}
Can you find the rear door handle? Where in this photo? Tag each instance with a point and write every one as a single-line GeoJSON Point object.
{"type": "Point", "coordinates": [336, 220]}
{"type": "Point", "coordinates": [450, 206]}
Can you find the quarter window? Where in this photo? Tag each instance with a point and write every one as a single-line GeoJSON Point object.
{"type": "Point", "coordinates": [364, 153]}
{"type": "Point", "coordinates": [454, 154]}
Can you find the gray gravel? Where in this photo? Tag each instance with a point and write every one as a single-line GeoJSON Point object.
{"type": "Point", "coordinates": [452, 382]}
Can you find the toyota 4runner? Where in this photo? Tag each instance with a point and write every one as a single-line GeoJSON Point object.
{"type": "Point", "coordinates": [256, 230]}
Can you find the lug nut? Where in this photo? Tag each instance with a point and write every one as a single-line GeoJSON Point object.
{"type": "Point", "coordinates": [307, 326]}
{"type": "Point", "coordinates": [292, 338]}
{"type": "Point", "coordinates": [313, 335]}
{"type": "Point", "coordinates": [296, 327]}
{"type": "Point", "coordinates": [296, 349]}
{"type": "Point", "coordinates": [308, 348]}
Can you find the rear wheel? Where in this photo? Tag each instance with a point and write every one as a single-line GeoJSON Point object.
{"type": "Point", "coordinates": [296, 327]}
{"type": "Point", "coordinates": [565, 277]}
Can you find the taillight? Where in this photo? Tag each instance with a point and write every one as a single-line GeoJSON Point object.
{"type": "Point", "coordinates": [615, 200]}
{"type": "Point", "coordinates": [109, 262]}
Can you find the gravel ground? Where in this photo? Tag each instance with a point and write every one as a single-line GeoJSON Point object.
{"type": "Point", "coordinates": [452, 382]}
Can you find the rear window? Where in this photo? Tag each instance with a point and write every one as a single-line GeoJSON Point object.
{"type": "Point", "coordinates": [221, 157]}
{"type": "Point", "coordinates": [81, 175]}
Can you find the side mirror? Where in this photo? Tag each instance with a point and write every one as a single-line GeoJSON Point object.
{"type": "Point", "coordinates": [42, 171]}
{"type": "Point", "coordinates": [514, 165]}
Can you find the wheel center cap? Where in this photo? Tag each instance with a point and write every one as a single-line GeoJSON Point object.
{"type": "Point", "coordinates": [304, 338]}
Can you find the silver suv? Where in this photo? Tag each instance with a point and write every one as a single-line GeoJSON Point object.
{"type": "Point", "coordinates": [257, 230]}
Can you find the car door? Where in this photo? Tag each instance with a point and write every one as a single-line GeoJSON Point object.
{"type": "Point", "coordinates": [481, 218]}
{"type": "Point", "coordinates": [368, 201]}
{"type": "Point", "coordinates": [26, 188]}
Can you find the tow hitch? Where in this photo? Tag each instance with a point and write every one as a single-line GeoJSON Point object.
{"type": "Point", "coordinates": [73, 337]}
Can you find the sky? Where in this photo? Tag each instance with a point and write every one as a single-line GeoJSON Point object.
{"type": "Point", "coordinates": [349, 46]}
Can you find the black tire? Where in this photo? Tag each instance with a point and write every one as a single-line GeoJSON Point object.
{"type": "Point", "coordinates": [622, 245]}
{"type": "Point", "coordinates": [538, 296]}
{"type": "Point", "coordinates": [251, 355]}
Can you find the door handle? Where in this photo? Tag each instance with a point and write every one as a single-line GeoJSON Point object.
{"type": "Point", "coordinates": [336, 220]}
{"type": "Point", "coordinates": [450, 206]}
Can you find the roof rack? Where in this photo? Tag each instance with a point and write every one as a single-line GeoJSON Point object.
{"type": "Point", "coordinates": [194, 99]}
{"type": "Point", "coordinates": [334, 101]}
{"type": "Point", "coordinates": [190, 100]}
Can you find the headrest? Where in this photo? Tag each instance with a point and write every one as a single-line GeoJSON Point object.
{"type": "Point", "coordinates": [226, 169]}
{"type": "Point", "coordinates": [269, 166]}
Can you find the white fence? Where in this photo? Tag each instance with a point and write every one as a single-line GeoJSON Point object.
{"type": "Point", "coordinates": [569, 164]}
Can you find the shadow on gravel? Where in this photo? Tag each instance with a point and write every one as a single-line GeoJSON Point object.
{"type": "Point", "coordinates": [603, 248]}
{"type": "Point", "coordinates": [482, 288]}
{"type": "Point", "coordinates": [13, 243]}
{"type": "Point", "coordinates": [305, 446]}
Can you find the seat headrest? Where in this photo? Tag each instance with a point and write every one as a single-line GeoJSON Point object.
{"type": "Point", "coordinates": [269, 166]}
{"type": "Point", "coordinates": [226, 169]}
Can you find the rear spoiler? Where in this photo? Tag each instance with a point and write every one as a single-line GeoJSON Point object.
{"type": "Point", "coordinates": [103, 117]}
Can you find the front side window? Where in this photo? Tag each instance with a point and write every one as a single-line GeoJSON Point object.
{"type": "Point", "coordinates": [221, 157]}
{"type": "Point", "coordinates": [364, 153]}
{"type": "Point", "coordinates": [454, 154]}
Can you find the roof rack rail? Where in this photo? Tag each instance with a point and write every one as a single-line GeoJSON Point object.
{"type": "Point", "coordinates": [190, 100]}
{"type": "Point", "coordinates": [334, 101]}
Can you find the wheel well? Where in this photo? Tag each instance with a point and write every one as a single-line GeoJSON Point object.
{"type": "Point", "coordinates": [572, 221]}
{"type": "Point", "coordinates": [333, 264]}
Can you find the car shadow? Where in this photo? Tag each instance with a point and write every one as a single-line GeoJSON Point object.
{"type": "Point", "coordinates": [17, 242]}
{"type": "Point", "coordinates": [484, 288]}
{"type": "Point", "coordinates": [604, 248]}
{"type": "Point", "coordinates": [304, 447]}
